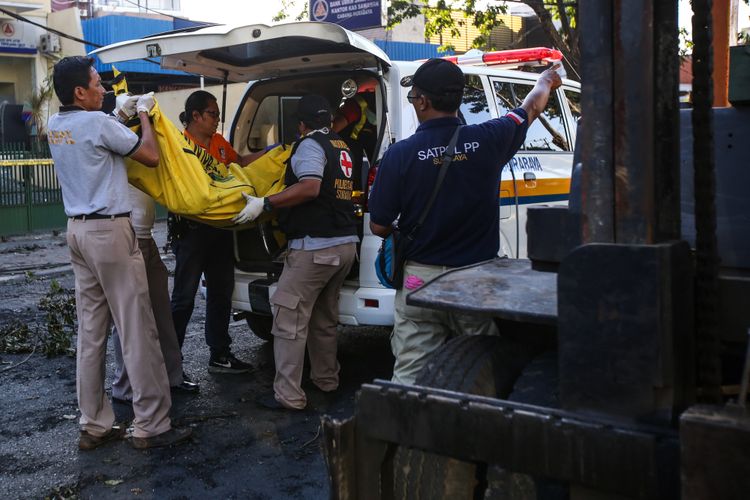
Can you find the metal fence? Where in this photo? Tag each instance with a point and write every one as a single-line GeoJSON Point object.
{"type": "Point", "coordinates": [30, 197]}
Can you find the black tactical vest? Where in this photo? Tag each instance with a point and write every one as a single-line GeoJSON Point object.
{"type": "Point", "coordinates": [331, 214]}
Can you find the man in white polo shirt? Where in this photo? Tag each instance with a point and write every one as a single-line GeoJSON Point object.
{"type": "Point", "coordinates": [110, 277]}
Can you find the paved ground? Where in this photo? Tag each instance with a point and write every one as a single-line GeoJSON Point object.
{"type": "Point", "coordinates": [239, 450]}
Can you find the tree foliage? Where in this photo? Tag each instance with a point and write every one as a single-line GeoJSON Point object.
{"type": "Point", "coordinates": [438, 19]}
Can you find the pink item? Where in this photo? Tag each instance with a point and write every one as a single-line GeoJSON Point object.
{"type": "Point", "coordinates": [413, 282]}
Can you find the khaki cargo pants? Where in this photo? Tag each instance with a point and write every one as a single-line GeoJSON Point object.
{"type": "Point", "coordinates": [306, 313]}
{"type": "Point", "coordinates": [418, 332]}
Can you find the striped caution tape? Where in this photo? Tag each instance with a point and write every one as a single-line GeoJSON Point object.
{"type": "Point", "coordinates": [38, 161]}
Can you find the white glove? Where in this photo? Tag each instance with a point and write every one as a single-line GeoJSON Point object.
{"type": "Point", "coordinates": [125, 104]}
{"type": "Point", "coordinates": [251, 211]}
{"type": "Point", "coordinates": [146, 103]}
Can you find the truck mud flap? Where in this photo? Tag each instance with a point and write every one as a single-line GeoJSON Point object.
{"type": "Point", "coordinates": [355, 462]}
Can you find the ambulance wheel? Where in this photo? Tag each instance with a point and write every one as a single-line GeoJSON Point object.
{"type": "Point", "coordinates": [261, 325]}
{"type": "Point", "coordinates": [481, 365]}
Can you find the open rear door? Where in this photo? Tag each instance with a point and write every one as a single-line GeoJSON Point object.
{"type": "Point", "coordinates": [254, 52]}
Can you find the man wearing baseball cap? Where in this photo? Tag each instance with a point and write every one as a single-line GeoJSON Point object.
{"type": "Point", "coordinates": [316, 213]}
{"type": "Point", "coordinates": [461, 227]}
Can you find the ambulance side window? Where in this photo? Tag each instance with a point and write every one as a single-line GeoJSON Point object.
{"type": "Point", "coordinates": [547, 133]}
{"type": "Point", "coordinates": [474, 108]}
{"type": "Point", "coordinates": [506, 99]}
{"type": "Point", "coordinates": [574, 103]}
{"type": "Point", "coordinates": [264, 130]}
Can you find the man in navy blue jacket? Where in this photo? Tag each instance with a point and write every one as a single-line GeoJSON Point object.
{"type": "Point", "coordinates": [462, 227]}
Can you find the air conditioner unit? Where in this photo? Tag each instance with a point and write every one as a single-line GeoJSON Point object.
{"type": "Point", "coordinates": [49, 43]}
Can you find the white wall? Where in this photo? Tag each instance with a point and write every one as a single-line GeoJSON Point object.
{"type": "Point", "coordinates": [410, 30]}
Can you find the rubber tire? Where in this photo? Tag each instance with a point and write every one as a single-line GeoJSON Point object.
{"type": "Point", "coordinates": [260, 324]}
{"type": "Point", "coordinates": [482, 365]}
{"type": "Point", "coordinates": [538, 385]}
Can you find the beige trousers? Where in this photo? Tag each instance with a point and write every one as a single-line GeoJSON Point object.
{"type": "Point", "coordinates": [306, 313]}
{"type": "Point", "coordinates": [111, 286]}
{"type": "Point", "coordinates": [418, 332]}
{"type": "Point", "coordinates": [158, 292]}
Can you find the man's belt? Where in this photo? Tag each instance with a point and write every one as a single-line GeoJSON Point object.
{"type": "Point", "coordinates": [100, 216]}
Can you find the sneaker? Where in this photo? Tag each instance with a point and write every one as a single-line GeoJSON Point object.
{"type": "Point", "coordinates": [88, 441]}
{"type": "Point", "coordinates": [228, 364]}
{"type": "Point", "coordinates": [187, 386]}
{"type": "Point", "coordinates": [172, 437]}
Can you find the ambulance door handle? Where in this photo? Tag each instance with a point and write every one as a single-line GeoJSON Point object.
{"type": "Point", "coordinates": [529, 179]}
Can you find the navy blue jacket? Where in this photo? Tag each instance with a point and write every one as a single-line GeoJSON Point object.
{"type": "Point", "coordinates": [462, 227]}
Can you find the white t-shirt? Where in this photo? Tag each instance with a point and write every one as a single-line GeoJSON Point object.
{"type": "Point", "coordinates": [88, 149]}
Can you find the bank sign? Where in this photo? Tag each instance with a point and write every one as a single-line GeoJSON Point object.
{"type": "Point", "coordinates": [351, 14]}
{"type": "Point", "coordinates": [17, 37]}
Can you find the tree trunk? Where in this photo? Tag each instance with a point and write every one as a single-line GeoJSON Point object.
{"type": "Point", "coordinates": [570, 52]}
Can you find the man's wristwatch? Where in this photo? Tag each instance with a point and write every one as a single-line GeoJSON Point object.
{"type": "Point", "coordinates": [267, 207]}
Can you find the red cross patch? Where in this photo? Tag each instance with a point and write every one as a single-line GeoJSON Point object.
{"type": "Point", "coordinates": [345, 160]}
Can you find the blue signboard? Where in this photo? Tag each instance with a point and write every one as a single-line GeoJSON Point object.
{"type": "Point", "coordinates": [351, 14]}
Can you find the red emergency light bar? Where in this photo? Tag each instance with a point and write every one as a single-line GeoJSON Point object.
{"type": "Point", "coordinates": [515, 56]}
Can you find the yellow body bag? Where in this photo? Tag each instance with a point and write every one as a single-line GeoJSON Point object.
{"type": "Point", "coordinates": [192, 183]}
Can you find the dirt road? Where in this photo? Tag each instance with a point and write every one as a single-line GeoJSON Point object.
{"type": "Point", "coordinates": [239, 450]}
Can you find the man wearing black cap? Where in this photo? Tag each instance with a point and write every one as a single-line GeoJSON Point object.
{"type": "Point", "coordinates": [462, 225]}
{"type": "Point", "coordinates": [317, 215]}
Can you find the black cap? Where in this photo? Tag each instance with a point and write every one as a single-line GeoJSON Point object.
{"type": "Point", "coordinates": [437, 77]}
{"type": "Point", "coordinates": [314, 110]}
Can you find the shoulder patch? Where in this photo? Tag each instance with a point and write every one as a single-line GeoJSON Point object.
{"type": "Point", "coordinates": [345, 162]}
{"type": "Point", "coordinates": [338, 143]}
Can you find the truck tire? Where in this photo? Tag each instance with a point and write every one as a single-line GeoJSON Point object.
{"type": "Point", "coordinates": [538, 385]}
{"type": "Point", "coordinates": [481, 365]}
{"type": "Point", "coordinates": [261, 325]}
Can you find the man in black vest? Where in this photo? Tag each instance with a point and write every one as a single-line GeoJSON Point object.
{"type": "Point", "coordinates": [317, 215]}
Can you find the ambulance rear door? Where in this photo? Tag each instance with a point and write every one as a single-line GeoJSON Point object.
{"type": "Point", "coordinates": [253, 52]}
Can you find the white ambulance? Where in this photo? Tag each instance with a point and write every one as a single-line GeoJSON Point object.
{"type": "Point", "coordinates": [284, 62]}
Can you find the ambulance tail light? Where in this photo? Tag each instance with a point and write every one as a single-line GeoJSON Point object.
{"type": "Point", "coordinates": [515, 57]}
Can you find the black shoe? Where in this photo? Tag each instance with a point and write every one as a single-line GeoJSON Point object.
{"type": "Point", "coordinates": [228, 364]}
{"type": "Point", "coordinates": [186, 387]}
{"type": "Point", "coordinates": [173, 436]}
{"type": "Point", "coordinates": [88, 441]}
{"type": "Point", "coordinates": [269, 401]}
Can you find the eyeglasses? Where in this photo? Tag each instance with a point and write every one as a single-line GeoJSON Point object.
{"type": "Point", "coordinates": [213, 114]}
{"type": "Point", "coordinates": [411, 98]}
